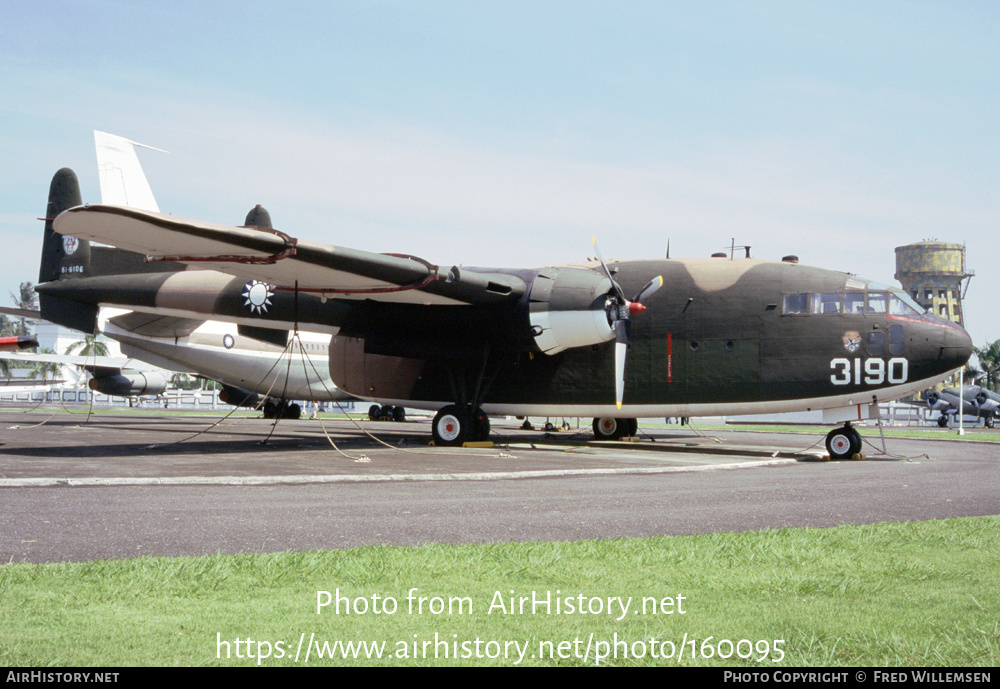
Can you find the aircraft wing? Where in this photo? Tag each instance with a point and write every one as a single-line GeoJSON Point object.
{"type": "Point", "coordinates": [20, 313]}
{"type": "Point", "coordinates": [89, 363]}
{"type": "Point", "coordinates": [278, 259]}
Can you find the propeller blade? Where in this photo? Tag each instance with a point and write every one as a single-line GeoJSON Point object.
{"type": "Point", "coordinates": [621, 349]}
{"type": "Point", "coordinates": [650, 289]}
{"type": "Point", "coordinates": [620, 316]}
{"type": "Point", "coordinates": [618, 290]}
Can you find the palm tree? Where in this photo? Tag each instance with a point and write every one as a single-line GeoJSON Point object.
{"type": "Point", "coordinates": [45, 369]}
{"type": "Point", "coordinates": [89, 346]}
{"type": "Point", "coordinates": [6, 328]}
{"type": "Point", "coordinates": [28, 301]}
{"type": "Point", "coordinates": [989, 362]}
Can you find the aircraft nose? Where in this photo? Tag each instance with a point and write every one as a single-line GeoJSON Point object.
{"type": "Point", "coordinates": [956, 345]}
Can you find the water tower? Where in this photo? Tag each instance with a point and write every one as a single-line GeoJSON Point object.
{"type": "Point", "coordinates": [932, 272]}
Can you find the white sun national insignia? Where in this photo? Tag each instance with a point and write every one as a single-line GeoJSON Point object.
{"type": "Point", "coordinates": [258, 296]}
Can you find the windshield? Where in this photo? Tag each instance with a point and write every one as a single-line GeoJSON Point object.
{"type": "Point", "coordinates": [871, 297]}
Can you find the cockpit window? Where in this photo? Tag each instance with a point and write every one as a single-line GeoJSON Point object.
{"type": "Point", "coordinates": [909, 301]}
{"type": "Point", "coordinates": [825, 303]}
{"type": "Point", "coordinates": [898, 307]}
{"type": "Point", "coordinates": [876, 302]}
{"type": "Point", "coordinates": [876, 299]}
{"type": "Point", "coordinates": [854, 302]}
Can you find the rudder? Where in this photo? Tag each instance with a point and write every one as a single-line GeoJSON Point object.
{"type": "Point", "coordinates": [63, 257]}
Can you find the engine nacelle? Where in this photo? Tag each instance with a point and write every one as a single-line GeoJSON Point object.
{"type": "Point", "coordinates": [985, 402]}
{"type": "Point", "coordinates": [132, 384]}
{"type": "Point", "coordinates": [238, 397]}
{"type": "Point", "coordinates": [567, 308]}
{"type": "Point", "coordinates": [559, 330]}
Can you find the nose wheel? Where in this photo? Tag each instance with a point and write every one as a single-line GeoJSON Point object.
{"type": "Point", "coordinates": [843, 443]}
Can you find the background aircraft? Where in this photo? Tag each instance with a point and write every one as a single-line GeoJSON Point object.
{"type": "Point", "coordinates": [16, 342]}
{"type": "Point", "coordinates": [722, 336]}
{"type": "Point", "coordinates": [120, 376]}
{"type": "Point", "coordinates": [976, 401]}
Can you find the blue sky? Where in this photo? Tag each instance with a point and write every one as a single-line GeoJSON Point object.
{"type": "Point", "coordinates": [509, 133]}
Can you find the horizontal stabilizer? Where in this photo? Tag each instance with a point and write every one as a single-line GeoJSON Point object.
{"type": "Point", "coordinates": [279, 338]}
{"type": "Point", "coordinates": [153, 325]}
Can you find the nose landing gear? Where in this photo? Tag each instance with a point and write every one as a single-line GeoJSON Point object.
{"type": "Point", "coordinates": [843, 443]}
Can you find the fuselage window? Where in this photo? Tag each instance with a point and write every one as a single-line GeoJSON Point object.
{"type": "Point", "coordinates": [796, 303]}
{"type": "Point", "coordinates": [875, 343]}
{"type": "Point", "coordinates": [896, 339]}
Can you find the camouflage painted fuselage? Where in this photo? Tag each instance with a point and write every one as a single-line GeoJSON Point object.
{"type": "Point", "coordinates": [718, 338]}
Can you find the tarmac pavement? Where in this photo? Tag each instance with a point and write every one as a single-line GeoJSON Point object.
{"type": "Point", "coordinates": [129, 484]}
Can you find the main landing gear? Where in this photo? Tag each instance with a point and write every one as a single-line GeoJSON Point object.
{"type": "Point", "coordinates": [456, 424]}
{"type": "Point", "coordinates": [281, 409]}
{"type": "Point", "coordinates": [843, 443]}
{"type": "Point", "coordinates": [615, 429]}
{"type": "Point", "coordinates": [386, 413]}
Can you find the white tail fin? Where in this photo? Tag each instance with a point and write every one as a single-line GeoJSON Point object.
{"type": "Point", "coordinates": [123, 183]}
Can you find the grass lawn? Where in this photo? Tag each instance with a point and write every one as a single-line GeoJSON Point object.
{"type": "Point", "coordinates": [900, 594]}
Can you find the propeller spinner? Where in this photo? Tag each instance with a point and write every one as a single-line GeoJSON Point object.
{"type": "Point", "coordinates": [620, 310]}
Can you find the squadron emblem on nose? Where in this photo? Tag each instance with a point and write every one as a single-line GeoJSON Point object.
{"type": "Point", "coordinates": [257, 296]}
{"type": "Point", "coordinates": [852, 340]}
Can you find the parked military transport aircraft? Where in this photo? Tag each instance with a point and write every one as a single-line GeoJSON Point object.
{"type": "Point", "coordinates": [721, 336]}
{"type": "Point", "coordinates": [975, 401]}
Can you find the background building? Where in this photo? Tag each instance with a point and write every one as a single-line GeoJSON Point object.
{"type": "Point", "coordinates": [932, 272]}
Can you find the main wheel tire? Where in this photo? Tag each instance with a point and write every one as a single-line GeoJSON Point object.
{"type": "Point", "coordinates": [373, 412]}
{"type": "Point", "coordinates": [989, 422]}
{"type": "Point", "coordinates": [843, 443]}
{"type": "Point", "coordinates": [632, 425]}
{"type": "Point", "coordinates": [480, 426]}
{"type": "Point", "coordinates": [855, 441]}
{"type": "Point", "coordinates": [398, 414]}
{"type": "Point", "coordinates": [607, 428]}
{"type": "Point", "coordinates": [943, 421]}
{"type": "Point", "coordinates": [452, 426]}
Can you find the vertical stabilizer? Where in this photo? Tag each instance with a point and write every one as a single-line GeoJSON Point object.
{"type": "Point", "coordinates": [63, 256]}
{"type": "Point", "coordinates": [123, 183]}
